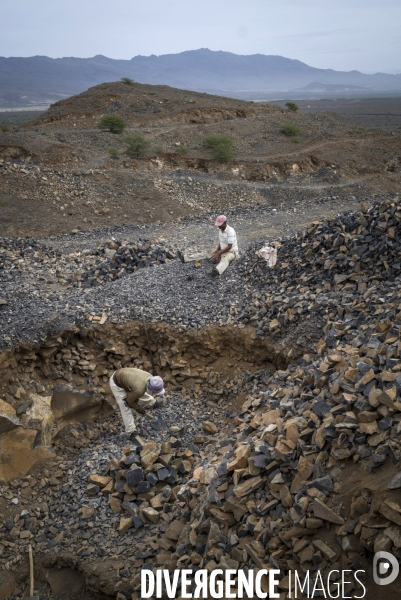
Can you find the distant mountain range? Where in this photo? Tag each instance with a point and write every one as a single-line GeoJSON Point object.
{"type": "Point", "coordinates": [326, 88]}
{"type": "Point", "coordinates": [44, 80]}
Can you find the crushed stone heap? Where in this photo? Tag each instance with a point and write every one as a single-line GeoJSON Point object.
{"type": "Point", "coordinates": [309, 481]}
{"type": "Point", "coordinates": [353, 247]}
{"type": "Point", "coordinates": [334, 270]}
{"type": "Point", "coordinates": [111, 261]}
{"type": "Point", "coordinates": [123, 258]}
{"type": "Point", "coordinates": [308, 476]}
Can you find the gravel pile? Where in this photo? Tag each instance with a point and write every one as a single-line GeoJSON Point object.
{"type": "Point", "coordinates": [30, 262]}
{"type": "Point", "coordinates": [124, 259]}
{"type": "Point", "coordinates": [337, 269]}
{"type": "Point", "coordinates": [307, 476]}
{"type": "Point", "coordinates": [191, 299]}
{"type": "Point", "coordinates": [17, 256]}
{"type": "Point", "coordinates": [175, 293]}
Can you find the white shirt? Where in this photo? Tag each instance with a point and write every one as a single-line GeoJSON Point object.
{"type": "Point", "coordinates": [228, 236]}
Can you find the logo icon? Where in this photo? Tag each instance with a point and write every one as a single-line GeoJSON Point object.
{"type": "Point", "coordinates": [385, 568]}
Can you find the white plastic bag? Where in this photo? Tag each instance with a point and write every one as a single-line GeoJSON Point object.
{"type": "Point", "coordinates": [269, 254]}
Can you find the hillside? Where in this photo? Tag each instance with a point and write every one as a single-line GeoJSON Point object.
{"type": "Point", "coordinates": [59, 164]}
{"type": "Point", "coordinates": [42, 80]}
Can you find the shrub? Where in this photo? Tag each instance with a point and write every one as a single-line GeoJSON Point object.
{"type": "Point", "coordinates": [181, 149]}
{"type": "Point", "coordinates": [159, 150]}
{"type": "Point", "coordinates": [127, 80]}
{"type": "Point", "coordinates": [136, 145]}
{"type": "Point", "coordinates": [113, 152]}
{"type": "Point", "coordinates": [221, 147]}
{"type": "Point", "coordinates": [289, 130]}
{"type": "Point", "coordinates": [4, 128]}
{"type": "Point", "coordinates": [114, 123]}
{"type": "Point", "coordinates": [292, 106]}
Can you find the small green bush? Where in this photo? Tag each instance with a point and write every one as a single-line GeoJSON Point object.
{"type": "Point", "coordinates": [5, 128]}
{"type": "Point", "coordinates": [136, 145]}
{"type": "Point", "coordinates": [113, 152]}
{"type": "Point", "coordinates": [292, 106]}
{"type": "Point", "coordinates": [160, 150]}
{"type": "Point", "coordinates": [127, 80]}
{"type": "Point", "coordinates": [290, 130]}
{"type": "Point", "coordinates": [181, 149]}
{"type": "Point", "coordinates": [221, 147]}
{"type": "Point", "coordinates": [114, 123]}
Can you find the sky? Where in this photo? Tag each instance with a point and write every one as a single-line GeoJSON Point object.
{"type": "Point", "coordinates": [336, 34]}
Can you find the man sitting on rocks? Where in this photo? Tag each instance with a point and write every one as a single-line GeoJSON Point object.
{"type": "Point", "coordinates": [133, 388]}
{"type": "Point", "coordinates": [227, 249]}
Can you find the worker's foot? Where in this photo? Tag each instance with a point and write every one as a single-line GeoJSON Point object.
{"type": "Point", "coordinates": [180, 256]}
{"type": "Point", "coordinates": [132, 437]}
{"type": "Point", "coordinates": [214, 272]}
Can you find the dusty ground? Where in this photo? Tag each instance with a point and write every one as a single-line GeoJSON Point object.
{"type": "Point", "coordinates": [57, 175]}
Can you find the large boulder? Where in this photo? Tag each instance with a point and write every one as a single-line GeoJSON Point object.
{"type": "Point", "coordinates": [8, 417]}
{"type": "Point", "coordinates": [69, 405]}
{"type": "Point", "coordinates": [18, 454]}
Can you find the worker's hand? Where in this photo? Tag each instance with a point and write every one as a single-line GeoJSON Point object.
{"type": "Point", "coordinates": [214, 258]}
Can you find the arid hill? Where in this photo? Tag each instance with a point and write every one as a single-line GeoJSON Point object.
{"type": "Point", "coordinates": [59, 165]}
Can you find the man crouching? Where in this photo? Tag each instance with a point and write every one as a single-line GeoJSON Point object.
{"type": "Point", "coordinates": [133, 389]}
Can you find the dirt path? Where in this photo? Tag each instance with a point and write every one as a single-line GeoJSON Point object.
{"type": "Point", "coordinates": [252, 223]}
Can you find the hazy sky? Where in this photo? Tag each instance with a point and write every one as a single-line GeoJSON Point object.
{"type": "Point", "coordinates": [337, 34]}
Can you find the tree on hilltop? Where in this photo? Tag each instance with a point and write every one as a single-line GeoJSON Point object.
{"type": "Point", "coordinates": [292, 106]}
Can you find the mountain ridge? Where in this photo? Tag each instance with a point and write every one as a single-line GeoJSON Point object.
{"type": "Point", "coordinates": [41, 79]}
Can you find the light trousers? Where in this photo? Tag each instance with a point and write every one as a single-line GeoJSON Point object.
{"type": "Point", "coordinates": [126, 412]}
{"type": "Point", "coordinates": [225, 260]}
{"type": "Point", "coordinates": [197, 256]}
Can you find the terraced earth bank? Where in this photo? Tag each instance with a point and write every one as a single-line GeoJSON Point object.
{"type": "Point", "coordinates": [279, 444]}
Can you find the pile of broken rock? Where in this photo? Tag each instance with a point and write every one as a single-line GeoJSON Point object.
{"type": "Point", "coordinates": [23, 260]}
{"type": "Point", "coordinates": [309, 477]}
{"type": "Point", "coordinates": [309, 480]}
{"type": "Point", "coordinates": [337, 269]}
{"type": "Point", "coordinates": [277, 495]}
{"type": "Point", "coordinates": [143, 484]}
{"type": "Point", "coordinates": [291, 488]}
{"type": "Point", "coordinates": [122, 259]}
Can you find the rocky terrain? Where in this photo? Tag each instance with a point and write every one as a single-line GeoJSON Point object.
{"type": "Point", "coordinates": [278, 446]}
{"type": "Point", "coordinates": [57, 175]}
